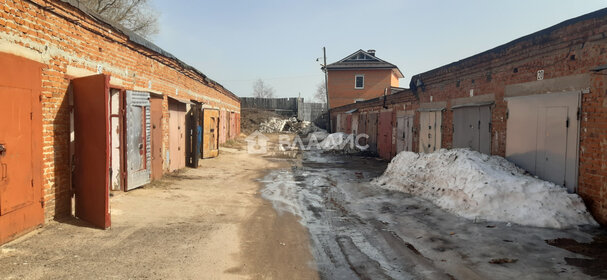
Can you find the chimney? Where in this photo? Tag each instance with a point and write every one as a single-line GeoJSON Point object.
{"type": "Point", "coordinates": [371, 52]}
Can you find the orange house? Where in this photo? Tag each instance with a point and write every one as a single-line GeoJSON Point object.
{"type": "Point", "coordinates": [360, 76]}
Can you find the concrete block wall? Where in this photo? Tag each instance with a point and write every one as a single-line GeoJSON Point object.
{"type": "Point", "coordinates": [70, 43]}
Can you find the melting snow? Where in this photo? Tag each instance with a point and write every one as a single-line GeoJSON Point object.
{"type": "Point", "coordinates": [477, 186]}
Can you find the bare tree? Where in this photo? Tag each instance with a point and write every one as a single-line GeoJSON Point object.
{"type": "Point", "coordinates": [321, 93]}
{"type": "Point", "coordinates": [136, 15]}
{"type": "Point", "coordinates": [262, 90]}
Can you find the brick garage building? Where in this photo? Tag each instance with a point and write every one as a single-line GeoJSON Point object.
{"type": "Point", "coordinates": [539, 100]}
{"type": "Point", "coordinates": [44, 45]}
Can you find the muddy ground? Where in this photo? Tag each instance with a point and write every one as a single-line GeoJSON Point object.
{"type": "Point", "coordinates": [360, 231]}
{"type": "Point", "coordinates": [294, 215]}
{"type": "Point", "coordinates": [205, 223]}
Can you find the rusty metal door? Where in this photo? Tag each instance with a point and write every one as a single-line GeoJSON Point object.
{"type": "Point", "coordinates": [91, 179]}
{"type": "Point", "coordinates": [177, 111]}
{"type": "Point", "coordinates": [355, 124]}
{"type": "Point", "coordinates": [21, 200]}
{"type": "Point", "coordinates": [430, 131]}
{"type": "Point", "coordinates": [210, 139]}
{"type": "Point", "coordinates": [156, 108]}
{"type": "Point", "coordinates": [138, 139]}
{"type": "Point", "coordinates": [348, 124]}
{"type": "Point", "coordinates": [372, 131]}
{"type": "Point", "coordinates": [384, 143]}
{"type": "Point", "coordinates": [16, 190]}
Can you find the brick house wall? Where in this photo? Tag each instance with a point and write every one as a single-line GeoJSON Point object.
{"type": "Point", "coordinates": [567, 53]}
{"type": "Point", "coordinates": [70, 43]}
{"type": "Point", "coordinates": [341, 85]}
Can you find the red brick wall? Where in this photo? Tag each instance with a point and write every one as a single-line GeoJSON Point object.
{"type": "Point", "coordinates": [570, 48]}
{"type": "Point", "coordinates": [398, 102]}
{"type": "Point", "coordinates": [71, 44]}
{"type": "Point", "coordinates": [564, 50]}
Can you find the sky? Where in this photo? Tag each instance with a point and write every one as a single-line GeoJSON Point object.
{"type": "Point", "coordinates": [236, 42]}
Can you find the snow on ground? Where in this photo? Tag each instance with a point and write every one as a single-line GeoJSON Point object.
{"type": "Point", "coordinates": [481, 187]}
{"type": "Point", "coordinates": [341, 142]}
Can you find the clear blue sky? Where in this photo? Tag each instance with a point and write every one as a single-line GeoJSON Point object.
{"type": "Point", "coordinates": [237, 42]}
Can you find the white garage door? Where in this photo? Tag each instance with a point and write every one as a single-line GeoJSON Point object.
{"type": "Point", "coordinates": [542, 136]}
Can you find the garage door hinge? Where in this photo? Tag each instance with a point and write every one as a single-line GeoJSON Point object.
{"type": "Point", "coordinates": [31, 115]}
{"type": "Point", "coordinates": [579, 113]}
{"type": "Point", "coordinates": [507, 114]}
{"type": "Point", "coordinates": [32, 182]}
{"type": "Point", "coordinates": [567, 122]}
{"type": "Point", "coordinates": [42, 202]}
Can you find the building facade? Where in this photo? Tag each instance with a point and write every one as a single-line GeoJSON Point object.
{"type": "Point", "coordinates": [360, 76]}
{"type": "Point", "coordinates": [540, 101]}
{"type": "Point", "coordinates": [93, 100]}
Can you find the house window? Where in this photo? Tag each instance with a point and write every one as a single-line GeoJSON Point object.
{"type": "Point", "coordinates": [359, 82]}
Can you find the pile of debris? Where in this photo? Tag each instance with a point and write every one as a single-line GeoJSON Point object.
{"type": "Point", "coordinates": [482, 187]}
{"type": "Point", "coordinates": [252, 118]}
{"type": "Point", "coordinates": [290, 125]}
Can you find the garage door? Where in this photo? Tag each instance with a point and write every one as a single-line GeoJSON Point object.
{"type": "Point", "coordinates": [177, 112]}
{"type": "Point", "coordinates": [384, 141]}
{"type": "Point", "coordinates": [472, 128]}
{"type": "Point", "coordinates": [542, 136]}
{"type": "Point", "coordinates": [372, 131]}
{"type": "Point", "coordinates": [138, 139]}
{"type": "Point", "coordinates": [404, 131]}
{"type": "Point", "coordinates": [430, 131]}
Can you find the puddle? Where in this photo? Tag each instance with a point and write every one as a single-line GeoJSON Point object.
{"type": "Point", "coordinates": [596, 251]}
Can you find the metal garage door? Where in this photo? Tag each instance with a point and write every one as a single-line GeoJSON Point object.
{"type": "Point", "coordinates": [542, 136]}
{"type": "Point", "coordinates": [138, 139]}
{"type": "Point", "coordinates": [430, 131]}
{"type": "Point", "coordinates": [210, 136]}
{"type": "Point", "coordinates": [157, 135]}
{"type": "Point", "coordinates": [372, 131]}
{"type": "Point", "coordinates": [384, 141]}
{"type": "Point", "coordinates": [20, 146]}
{"type": "Point", "coordinates": [177, 112]}
{"type": "Point", "coordinates": [404, 131]}
{"type": "Point", "coordinates": [472, 128]}
{"type": "Point", "coordinates": [91, 175]}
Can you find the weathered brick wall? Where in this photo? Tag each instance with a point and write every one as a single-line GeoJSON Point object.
{"type": "Point", "coordinates": [592, 181]}
{"type": "Point", "coordinates": [567, 49]}
{"type": "Point", "coordinates": [72, 44]}
{"type": "Point", "coordinates": [398, 102]}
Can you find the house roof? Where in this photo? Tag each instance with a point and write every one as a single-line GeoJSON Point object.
{"type": "Point", "coordinates": [363, 60]}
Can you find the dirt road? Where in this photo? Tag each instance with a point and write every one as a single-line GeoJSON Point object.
{"type": "Point", "coordinates": [360, 231]}
{"type": "Point", "coordinates": [205, 223]}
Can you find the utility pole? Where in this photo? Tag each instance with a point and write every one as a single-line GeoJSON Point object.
{"type": "Point", "coordinates": [324, 53]}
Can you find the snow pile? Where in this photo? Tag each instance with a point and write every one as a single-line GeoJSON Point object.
{"type": "Point", "coordinates": [478, 186]}
{"type": "Point", "coordinates": [340, 142]}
